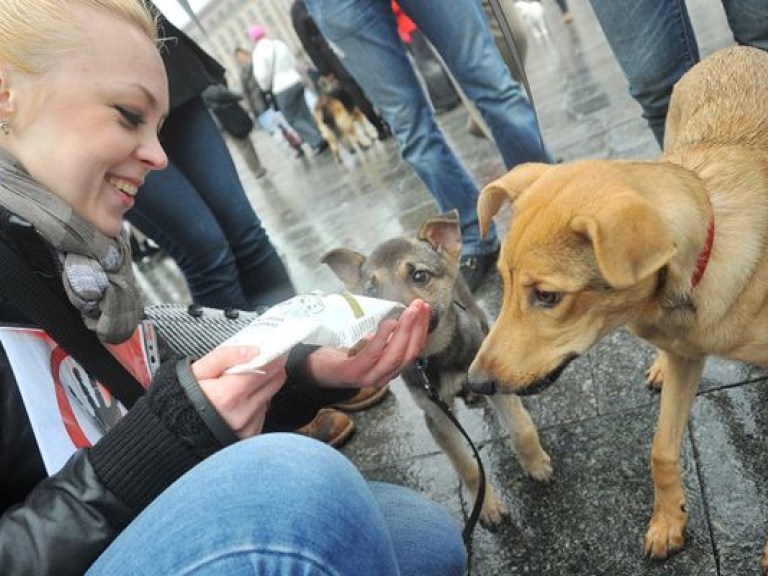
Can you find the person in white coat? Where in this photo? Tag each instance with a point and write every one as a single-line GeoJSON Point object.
{"type": "Point", "coordinates": [274, 68]}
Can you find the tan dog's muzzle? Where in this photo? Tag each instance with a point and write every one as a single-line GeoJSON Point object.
{"type": "Point", "coordinates": [483, 384]}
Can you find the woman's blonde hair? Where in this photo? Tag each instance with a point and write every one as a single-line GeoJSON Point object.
{"type": "Point", "coordinates": [32, 32]}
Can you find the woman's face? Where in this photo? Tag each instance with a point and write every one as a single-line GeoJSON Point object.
{"type": "Point", "coordinates": [87, 129]}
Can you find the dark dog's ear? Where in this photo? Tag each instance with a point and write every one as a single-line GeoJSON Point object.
{"type": "Point", "coordinates": [629, 240]}
{"type": "Point", "coordinates": [508, 187]}
{"type": "Point", "coordinates": [443, 232]}
{"type": "Point", "coordinates": [346, 264]}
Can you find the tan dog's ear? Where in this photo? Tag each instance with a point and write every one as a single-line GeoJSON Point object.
{"type": "Point", "coordinates": [443, 232]}
{"type": "Point", "coordinates": [508, 187]}
{"type": "Point", "coordinates": [346, 264]}
{"type": "Point", "coordinates": [630, 242]}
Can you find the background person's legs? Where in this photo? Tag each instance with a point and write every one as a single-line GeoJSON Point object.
{"type": "Point", "coordinates": [294, 108]}
{"type": "Point", "coordinates": [655, 45]}
{"type": "Point", "coordinates": [464, 40]}
{"type": "Point", "coordinates": [365, 34]}
{"type": "Point", "coordinates": [197, 211]}
{"type": "Point", "coordinates": [748, 20]}
{"type": "Point", "coordinates": [247, 150]}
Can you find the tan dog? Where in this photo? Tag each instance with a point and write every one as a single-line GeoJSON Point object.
{"type": "Point", "coordinates": [339, 120]}
{"type": "Point", "coordinates": [427, 267]}
{"type": "Point", "coordinates": [675, 249]}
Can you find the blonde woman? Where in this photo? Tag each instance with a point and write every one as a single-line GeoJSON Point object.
{"type": "Point", "coordinates": [184, 481]}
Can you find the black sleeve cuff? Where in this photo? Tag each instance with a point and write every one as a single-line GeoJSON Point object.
{"type": "Point", "coordinates": [213, 420]}
{"type": "Point", "coordinates": [295, 366]}
{"type": "Point", "coordinates": [140, 457]}
{"type": "Point", "coordinates": [157, 441]}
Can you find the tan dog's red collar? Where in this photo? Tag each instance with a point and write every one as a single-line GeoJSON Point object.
{"type": "Point", "coordinates": [703, 259]}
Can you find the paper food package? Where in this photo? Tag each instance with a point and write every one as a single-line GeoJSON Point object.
{"type": "Point", "coordinates": [337, 320]}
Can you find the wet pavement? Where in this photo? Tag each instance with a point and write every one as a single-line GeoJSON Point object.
{"type": "Point", "coordinates": [597, 422]}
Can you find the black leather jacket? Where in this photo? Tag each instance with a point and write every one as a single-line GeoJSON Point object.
{"type": "Point", "coordinates": [61, 524]}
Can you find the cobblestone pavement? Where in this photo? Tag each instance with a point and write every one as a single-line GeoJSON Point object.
{"type": "Point", "coordinates": [597, 423]}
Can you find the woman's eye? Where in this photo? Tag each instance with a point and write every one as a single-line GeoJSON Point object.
{"type": "Point", "coordinates": [133, 118]}
{"type": "Point", "coordinates": [420, 276]}
{"type": "Point", "coordinates": [546, 298]}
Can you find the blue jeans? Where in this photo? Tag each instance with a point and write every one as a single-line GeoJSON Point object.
{"type": "Point", "coordinates": [196, 210]}
{"type": "Point", "coordinates": [285, 505]}
{"type": "Point", "coordinates": [294, 108]}
{"type": "Point", "coordinates": [655, 44]}
{"type": "Point", "coordinates": [365, 36]}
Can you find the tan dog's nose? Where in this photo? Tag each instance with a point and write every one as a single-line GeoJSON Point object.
{"type": "Point", "coordinates": [479, 382]}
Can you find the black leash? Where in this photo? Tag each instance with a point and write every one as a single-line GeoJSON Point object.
{"type": "Point", "coordinates": [434, 396]}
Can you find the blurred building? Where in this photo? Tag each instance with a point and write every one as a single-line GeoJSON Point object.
{"type": "Point", "coordinates": [225, 24]}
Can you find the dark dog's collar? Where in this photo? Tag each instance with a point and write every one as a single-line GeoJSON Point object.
{"type": "Point", "coordinates": [703, 259]}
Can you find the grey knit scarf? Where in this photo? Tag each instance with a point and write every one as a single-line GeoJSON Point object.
{"type": "Point", "coordinates": [97, 273]}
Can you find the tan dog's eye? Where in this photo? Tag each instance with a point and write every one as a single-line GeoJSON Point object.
{"type": "Point", "coordinates": [546, 299]}
{"type": "Point", "coordinates": [421, 276]}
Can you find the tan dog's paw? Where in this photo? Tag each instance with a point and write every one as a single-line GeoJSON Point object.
{"type": "Point", "coordinates": [493, 511]}
{"type": "Point", "coordinates": [764, 559]}
{"type": "Point", "coordinates": [665, 535]}
{"type": "Point", "coordinates": [654, 377]}
{"type": "Point", "coordinates": [538, 466]}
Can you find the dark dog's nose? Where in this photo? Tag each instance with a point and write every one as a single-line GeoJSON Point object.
{"type": "Point", "coordinates": [487, 387]}
{"type": "Point", "coordinates": [434, 320]}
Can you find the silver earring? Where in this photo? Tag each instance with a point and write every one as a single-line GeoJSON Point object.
{"type": "Point", "coordinates": [5, 126]}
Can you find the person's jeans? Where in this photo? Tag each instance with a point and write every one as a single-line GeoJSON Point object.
{"type": "Point", "coordinates": [285, 505]}
{"type": "Point", "coordinates": [294, 107]}
{"type": "Point", "coordinates": [655, 44]}
{"type": "Point", "coordinates": [197, 211]}
{"type": "Point", "coordinates": [365, 36]}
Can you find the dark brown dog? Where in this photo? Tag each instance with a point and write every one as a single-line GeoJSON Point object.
{"type": "Point", "coordinates": [427, 267]}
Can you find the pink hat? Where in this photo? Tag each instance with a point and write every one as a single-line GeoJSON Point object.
{"type": "Point", "coordinates": [256, 32]}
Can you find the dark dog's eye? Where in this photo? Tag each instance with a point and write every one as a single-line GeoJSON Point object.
{"type": "Point", "coordinates": [546, 299]}
{"type": "Point", "coordinates": [421, 276]}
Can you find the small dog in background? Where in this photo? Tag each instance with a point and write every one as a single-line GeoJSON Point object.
{"type": "Point", "coordinates": [339, 120]}
{"type": "Point", "coordinates": [427, 267]}
{"type": "Point", "coordinates": [532, 13]}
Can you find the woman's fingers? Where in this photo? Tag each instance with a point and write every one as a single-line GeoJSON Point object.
{"type": "Point", "coordinates": [394, 347]}
{"type": "Point", "coordinates": [217, 361]}
{"type": "Point", "coordinates": [241, 399]}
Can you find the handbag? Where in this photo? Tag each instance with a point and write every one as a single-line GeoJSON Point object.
{"type": "Point", "coordinates": [187, 330]}
{"type": "Point", "coordinates": [195, 330]}
{"type": "Point", "coordinates": [225, 105]}
{"type": "Point", "coordinates": [234, 119]}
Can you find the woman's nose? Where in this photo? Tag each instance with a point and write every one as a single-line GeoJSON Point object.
{"type": "Point", "coordinates": [152, 154]}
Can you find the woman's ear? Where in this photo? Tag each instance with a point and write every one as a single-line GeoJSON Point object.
{"type": "Point", "coordinates": [6, 101]}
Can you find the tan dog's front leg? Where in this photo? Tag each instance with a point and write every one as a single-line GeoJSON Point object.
{"type": "Point", "coordinates": [681, 380]}
{"type": "Point", "coordinates": [764, 559]}
{"type": "Point", "coordinates": [654, 377]}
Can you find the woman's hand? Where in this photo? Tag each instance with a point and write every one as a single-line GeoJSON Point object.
{"type": "Point", "coordinates": [396, 344]}
{"type": "Point", "coordinates": [240, 399]}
